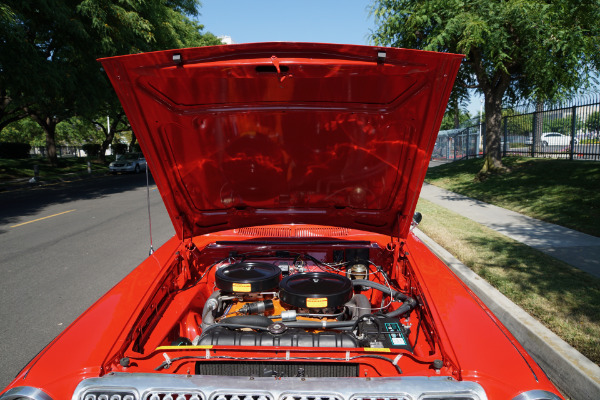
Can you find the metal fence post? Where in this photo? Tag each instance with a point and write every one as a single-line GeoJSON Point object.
{"type": "Point", "coordinates": [467, 147]}
{"type": "Point", "coordinates": [454, 147]}
{"type": "Point", "coordinates": [533, 134]}
{"type": "Point", "coordinates": [483, 136]}
{"type": "Point", "coordinates": [573, 123]}
{"type": "Point", "coordinates": [505, 138]}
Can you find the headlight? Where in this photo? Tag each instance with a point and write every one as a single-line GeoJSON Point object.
{"type": "Point", "coordinates": [537, 395]}
{"type": "Point", "coordinates": [129, 164]}
{"type": "Point", "coordinates": [25, 393]}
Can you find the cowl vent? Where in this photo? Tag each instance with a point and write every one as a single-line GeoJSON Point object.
{"type": "Point", "coordinates": [292, 231]}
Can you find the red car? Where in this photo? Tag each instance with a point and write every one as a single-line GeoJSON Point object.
{"type": "Point", "coordinates": [291, 173]}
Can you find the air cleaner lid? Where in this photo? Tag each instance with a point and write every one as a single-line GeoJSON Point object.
{"type": "Point", "coordinates": [248, 276]}
{"type": "Point", "coordinates": [315, 290]}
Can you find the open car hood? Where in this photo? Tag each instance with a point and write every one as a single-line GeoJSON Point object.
{"type": "Point", "coordinates": [269, 133]}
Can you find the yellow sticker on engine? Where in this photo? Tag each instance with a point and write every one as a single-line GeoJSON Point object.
{"type": "Point", "coordinates": [377, 349]}
{"type": "Point", "coordinates": [241, 287]}
{"type": "Point", "coordinates": [319, 302]}
{"type": "Point", "coordinates": [190, 347]}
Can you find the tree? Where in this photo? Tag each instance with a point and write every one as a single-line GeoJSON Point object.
{"type": "Point", "coordinates": [40, 56]}
{"type": "Point", "coordinates": [23, 131]}
{"type": "Point", "coordinates": [48, 52]}
{"type": "Point", "coordinates": [513, 49]}
{"type": "Point", "coordinates": [454, 117]}
{"type": "Point", "coordinates": [123, 28]}
{"type": "Point", "coordinates": [113, 126]}
{"type": "Point", "coordinates": [518, 124]}
{"type": "Point", "coordinates": [76, 131]}
{"type": "Point", "coordinates": [10, 111]}
{"type": "Point", "coordinates": [592, 122]}
{"type": "Point", "coordinates": [553, 123]}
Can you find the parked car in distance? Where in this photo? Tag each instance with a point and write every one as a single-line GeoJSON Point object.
{"type": "Point", "coordinates": [291, 174]}
{"type": "Point", "coordinates": [129, 162]}
{"type": "Point", "coordinates": [552, 139]}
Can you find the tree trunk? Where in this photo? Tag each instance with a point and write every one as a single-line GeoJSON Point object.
{"type": "Point", "coordinates": [493, 88]}
{"type": "Point", "coordinates": [109, 135]}
{"type": "Point", "coordinates": [133, 140]}
{"type": "Point", "coordinates": [493, 133]}
{"type": "Point", "coordinates": [48, 124]}
{"type": "Point", "coordinates": [105, 143]}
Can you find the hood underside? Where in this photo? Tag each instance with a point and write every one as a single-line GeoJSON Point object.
{"type": "Point", "coordinates": [270, 133]}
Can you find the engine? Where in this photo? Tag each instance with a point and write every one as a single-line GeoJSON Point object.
{"type": "Point", "coordinates": [261, 303]}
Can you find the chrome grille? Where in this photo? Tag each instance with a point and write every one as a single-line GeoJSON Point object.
{"type": "Point", "coordinates": [394, 396]}
{"type": "Point", "coordinates": [146, 386]}
{"type": "Point", "coordinates": [310, 396]}
{"type": "Point", "coordinates": [173, 395]}
{"type": "Point", "coordinates": [241, 396]}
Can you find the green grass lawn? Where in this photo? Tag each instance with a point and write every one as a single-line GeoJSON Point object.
{"type": "Point", "coordinates": [563, 298]}
{"type": "Point", "coordinates": [562, 192]}
{"type": "Point", "coordinates": [23, 168]}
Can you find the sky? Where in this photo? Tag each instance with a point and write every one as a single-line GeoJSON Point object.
{"type": "Point", "coordinates": [324, 21]}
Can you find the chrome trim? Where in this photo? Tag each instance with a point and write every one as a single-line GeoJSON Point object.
{"type": "Point", "coordinates": [537, 395]}
{"type": "Point", "coordinates": [211, 387]}
{"type": "Point", "coordinates": [25, 392]}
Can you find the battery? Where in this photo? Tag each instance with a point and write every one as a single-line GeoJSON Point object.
{"type": "Point", "coordinates": [389, 333]}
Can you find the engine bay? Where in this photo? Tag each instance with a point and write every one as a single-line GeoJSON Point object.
{"type": "Point", "coordinates": [286, 308]}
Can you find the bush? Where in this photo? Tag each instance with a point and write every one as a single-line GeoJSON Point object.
{"type": "Point", "coordinates": [91, 149]}
{"type": "Point", "coordinates": [135, 148]}
{"type": "Point", "coordinates": [14, 150]}
{"type": "Point", "coordinates": [119, 148]}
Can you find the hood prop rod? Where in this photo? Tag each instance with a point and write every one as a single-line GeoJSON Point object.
{"type": "Point", "coordinates": [149, 217]}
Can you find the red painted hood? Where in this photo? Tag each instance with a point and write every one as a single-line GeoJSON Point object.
{"type": "Point", "coordinates": [269, 133]}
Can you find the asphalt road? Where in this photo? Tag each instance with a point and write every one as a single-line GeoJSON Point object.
{"type": "Point", "coordinates": [61, 248]}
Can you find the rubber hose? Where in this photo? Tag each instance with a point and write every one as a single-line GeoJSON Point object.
{"type": "Point", "coordinates": [409, 302]}
{"type": "Point", "coordinates": [408, 305]}
{"type": "Point", "coordinates": [396, 295]}
{"type": "Point", "coordinates": [254, 320]}
{"type": "Point", "coordinates": [319, 325]}
{"type": "Point", "coordinates": [211, 304]}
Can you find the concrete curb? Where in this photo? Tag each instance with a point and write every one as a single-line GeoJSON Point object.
{"type": "Point", "coordinates": [574, 374]}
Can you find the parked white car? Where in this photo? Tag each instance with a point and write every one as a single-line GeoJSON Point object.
{"type": "Point", "coordinates": [130, 162]}
{"type": "Point", "coordinates": [555, 139]}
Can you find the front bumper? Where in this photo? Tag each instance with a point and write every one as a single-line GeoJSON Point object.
{"type": "Point", "coordinates": [198, 387]}
{"type": "Point", "coordinates": [122, 169]}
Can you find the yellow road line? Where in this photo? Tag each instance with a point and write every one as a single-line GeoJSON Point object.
{"type": "Point", "coordinates": [39, 219]}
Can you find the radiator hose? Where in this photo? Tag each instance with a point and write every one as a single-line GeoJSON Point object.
{"type": "Point", "coordinates": [408, 302]}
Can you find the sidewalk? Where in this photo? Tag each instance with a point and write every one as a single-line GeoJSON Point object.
{"type": "Point", "coordinates": [575, 248]}
{"type": "Point", "coordinates": [574, 374]}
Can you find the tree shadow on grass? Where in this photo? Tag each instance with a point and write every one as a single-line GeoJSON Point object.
{"type": "Point", "coordinates": [557, 191]}
{"type": "Point", "coordinates": [521, 273]}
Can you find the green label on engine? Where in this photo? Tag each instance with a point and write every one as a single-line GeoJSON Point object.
{"type": "Point", "coordinates": [395, 334]}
